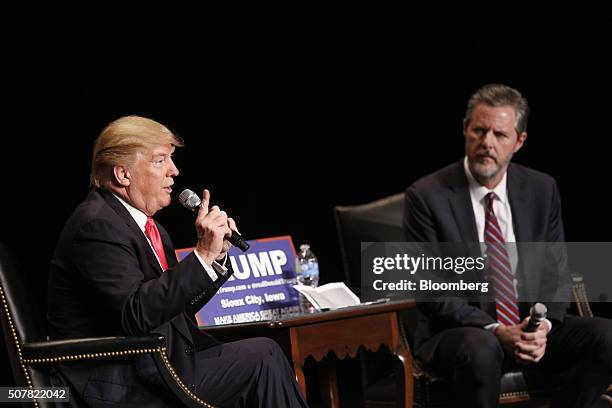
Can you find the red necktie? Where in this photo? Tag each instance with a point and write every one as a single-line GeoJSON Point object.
{"type": "Point", "coordinates": [506, 303]}
{"type": "Point", "coordinates": [152, 233]}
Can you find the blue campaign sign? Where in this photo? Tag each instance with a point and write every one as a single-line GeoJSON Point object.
{"type": "Point", "coordinates": [260, 288]}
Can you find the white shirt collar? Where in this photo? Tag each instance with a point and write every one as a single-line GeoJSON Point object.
{"type": "Point", "coordinates": [137, 215]}
{"type": "Point", "coordinates": [479, 191]}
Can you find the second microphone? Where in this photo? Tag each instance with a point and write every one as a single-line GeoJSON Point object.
{"type": "Point", "coordinates": [191, 201]}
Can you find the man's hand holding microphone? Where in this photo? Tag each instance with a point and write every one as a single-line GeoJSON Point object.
{"type": "Point", "coordinates": [213, 226]}
{"type": "Point", "coordinates": [216, 231]}
{"type": "Point", "coordinates": [526, 341]}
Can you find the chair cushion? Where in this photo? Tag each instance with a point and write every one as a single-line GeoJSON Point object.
{"type": "Point", "coordinates": [526, 380]}
{"type": "Point", "coordinates": [433, 391]}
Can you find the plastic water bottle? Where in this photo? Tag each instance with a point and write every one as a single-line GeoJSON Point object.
{"type": "Point", "coordinates": [307, 270]}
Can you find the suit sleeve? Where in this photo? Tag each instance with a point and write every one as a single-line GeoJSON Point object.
{"type": "Point", "coordinates": [200, 300]}
{"type": "Point", "coordinates": [420, 226]}
{"type": "Point", "coordinates": [558, 289]}
{"type": "Point", "coordinates": [107, 261]}
{"type": "Point", "coordinates": [418, 221]}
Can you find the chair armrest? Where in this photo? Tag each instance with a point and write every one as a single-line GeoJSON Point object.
{"type": "Point", "coordinates": [58, 351]}
{"type": "Point", "coordinates": [49, 352]}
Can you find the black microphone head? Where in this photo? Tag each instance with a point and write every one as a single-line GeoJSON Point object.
{"type": "Point", "coordinates": [239, 242]}
{"type": "Point", "coordinates": [538, 312]}
{"type": "Point", "coordinates": [190, 200]}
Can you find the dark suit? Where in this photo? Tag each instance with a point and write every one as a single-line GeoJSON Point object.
{"type": "Point", "coordinates": [105, 280]}
{"type": "Point", "coordinates": [438, 208]}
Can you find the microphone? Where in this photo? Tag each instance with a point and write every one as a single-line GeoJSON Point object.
{"type": "Point", "coordinates": [191, 201]}
{"type": "Point", "coordinates": [537, 314]}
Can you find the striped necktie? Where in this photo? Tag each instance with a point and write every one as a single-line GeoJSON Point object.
{"type": "Point", "coordinates": [506, 303]}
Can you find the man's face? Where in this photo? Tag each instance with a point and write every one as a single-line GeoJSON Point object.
{"type": "Point", "coordinates": [491, 141]}
{"type": "Point", "coordinates": [151, 179]}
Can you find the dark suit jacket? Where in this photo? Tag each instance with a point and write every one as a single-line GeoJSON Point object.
{"type": "Point", "coordinates": [104, 281]}
{"type": "Point", "coordinates": [438, 208]}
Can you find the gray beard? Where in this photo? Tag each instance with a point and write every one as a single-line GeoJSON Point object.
{"type": "Point", "coordinates": [480, 174]}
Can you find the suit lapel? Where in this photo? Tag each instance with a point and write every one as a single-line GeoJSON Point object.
{"type": "Point", "coordinates": [461, 205]}
{"type": "Point", "coordinates": [522, 216]}
{"type": "Point", "coordinates": [119, 208]}
{"type": "Point", "coordinates": [520, 204]}
{"type": "Point", "coordinates": [170, 256]}
{"type": "Point", "coordinates": [460, 202]}
{"type": "Point", "coordinates": [179, 321]}
{"type": "Point", "coordinates": [168, 247]}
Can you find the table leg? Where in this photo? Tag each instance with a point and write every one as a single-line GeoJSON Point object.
{"type": "Point", "coordinates": [405, 380]}
{"type": "Point", "coordinates": [300, 378]}
{"type": "Point", "coordinates": [328, 385]}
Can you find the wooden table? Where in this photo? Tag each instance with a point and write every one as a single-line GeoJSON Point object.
{"type": "Point", "coordinates": [340, 331]}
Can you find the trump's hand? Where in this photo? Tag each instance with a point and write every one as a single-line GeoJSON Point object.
{"type": "Point", "coordinates": [212, 227]}
{"type": "Point", "coordinates": [226, 244]}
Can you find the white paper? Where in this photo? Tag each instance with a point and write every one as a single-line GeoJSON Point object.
{"type": "Point", "coordinates": [330, 296]}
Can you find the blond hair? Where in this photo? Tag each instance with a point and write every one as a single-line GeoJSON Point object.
{"type": "Point", "coordinates": [119, 143]}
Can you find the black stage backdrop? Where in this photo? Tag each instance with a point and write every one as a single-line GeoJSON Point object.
{"type": "Point", "coordinates": [288, 109]}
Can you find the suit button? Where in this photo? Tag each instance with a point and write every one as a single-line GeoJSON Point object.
{"type": "Point", "coordinates": [189, 350]}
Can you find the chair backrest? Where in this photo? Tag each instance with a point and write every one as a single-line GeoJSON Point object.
{"type": "Point", "coordinates": [22, 320]}
{"type": "Point", "coordinates": [377, 221]}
